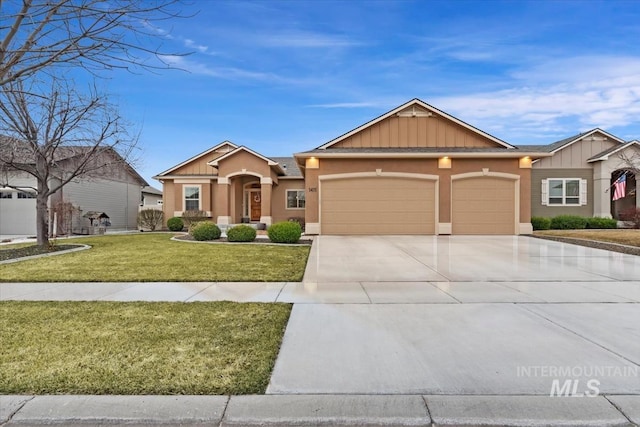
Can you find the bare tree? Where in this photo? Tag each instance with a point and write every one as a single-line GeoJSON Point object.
{"type": "Point", "coordinates": [38, 35]}
{"type": "Point", "coordinates": [57, 137]}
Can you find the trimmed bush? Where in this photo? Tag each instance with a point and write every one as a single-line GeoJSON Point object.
{"type": "Point", "coordinates": [285, 232]}
{"type": "Point", "coordinates": [602, 223]}
{"type": "Point", "coordinates": [189, 217]}
{"type": "Point", "coordinates": [299, 220]}
{"type": "Point", "coordinates": [540, 223]}
{"type": "Point", "coordinates": [205, 230]}
{"type": "Point", "coordinates": [241, 233]}
{"type": "Point", "coordinates": [568, 222]}
{"type": "Point", "coordinates": [175, 223]}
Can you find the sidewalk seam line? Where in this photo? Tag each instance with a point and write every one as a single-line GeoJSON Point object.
{"type": "Point", "coordinates": [426, 405]}
{"type": "Point", "coordinates": [280, 291]}
{"type": "Point", "coordinates": [365, 292]}
{"type": "Point", "coordinates": [200, 291]}
{"type": "Point", "coordinates": [224, 411]}
{"type": "Point", "coordinates": [10, 417]}
{"type": "Point", "coordinates": [577, 334]}
{"type": "Point", "coordinates": [619, 409]}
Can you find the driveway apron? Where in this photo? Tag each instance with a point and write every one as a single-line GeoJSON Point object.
{"type": "Point", "coordinates": [463, 315]}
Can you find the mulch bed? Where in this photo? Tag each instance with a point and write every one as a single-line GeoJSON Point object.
{"type": "Point", "coordinates": [6, 254]}
{"type": "Point", "coordinates": [629, 250]}
{"type": "Point", "coordinates": [190, 238]}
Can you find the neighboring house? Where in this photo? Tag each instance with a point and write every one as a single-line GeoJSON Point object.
{"type": "Point", "coordinates": [578, 178]}
{"type": "Point", "coordinates": [116, 192]}
{"type": "Point", "coordinates": [413, 170]}
{"type": "Point", "coordinates": [151, 198]}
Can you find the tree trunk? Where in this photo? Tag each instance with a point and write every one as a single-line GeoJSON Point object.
{"type": "Point", "coordinates": [42, 215]}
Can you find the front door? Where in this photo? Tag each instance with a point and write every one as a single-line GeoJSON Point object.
{"type": "Point", "coordinates": [255, 205]}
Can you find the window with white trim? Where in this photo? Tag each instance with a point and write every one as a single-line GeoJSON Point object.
{"type": "Point", "coordinates": [295, 199]}
{"type": "Point", "coordinates": [26, 195]}
{"type": "Point", "coordinates": [564, 192]}
{"type": "Point", "coordinates": [191, 198]}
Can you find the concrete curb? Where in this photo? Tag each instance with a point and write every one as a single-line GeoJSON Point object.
{"type": "Point", "coordinates": [66, 251]}
{"type": "Point", "coordinates": [314, 410]}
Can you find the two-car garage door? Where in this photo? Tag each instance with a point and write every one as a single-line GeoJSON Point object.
{"type": "Point", "coordinates": [378, 205]}
{"type": "Point", "coordinates": [399, 205]}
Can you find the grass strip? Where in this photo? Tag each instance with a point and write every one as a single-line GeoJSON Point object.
{"type": "Point", "coordinates": [138, 348]}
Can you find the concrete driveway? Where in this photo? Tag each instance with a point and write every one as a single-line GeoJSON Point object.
{"type": "Point", "coordinates": [461, 316]}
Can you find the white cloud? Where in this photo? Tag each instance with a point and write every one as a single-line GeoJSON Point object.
{"type": "Point", "coordinates": [303, 39]}
{"type": "Point", "coordinates": [599, 92]}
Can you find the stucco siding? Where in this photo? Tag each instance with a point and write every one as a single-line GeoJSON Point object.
{"type": "Point", "coordinates": [328, 166]}
{"type": "Point", "coordinates": [279, 210]}
{"type": "Point", "coordinates": [538, 209]}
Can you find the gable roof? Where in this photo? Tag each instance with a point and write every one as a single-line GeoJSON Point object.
{"type": "Point", "coordinates": [613, 150]}
{"type": "Point", "coordinates": [204, 153]}
{"type": "Point", "coordinates": [269, 161]}
{"type": "Point", "coordinates": [147, 189]}
{"type": "Point", "coordinates": [415, 102]}
{"type": "Point", "coordinates": [289, 165]}
{"type": "Point", "coordinates": [564, 143]}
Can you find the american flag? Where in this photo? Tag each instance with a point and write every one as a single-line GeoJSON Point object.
{"type": "Point", "coordinates": [620, 187]}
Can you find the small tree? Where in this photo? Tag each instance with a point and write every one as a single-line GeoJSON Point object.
{"type": "Point", "coordinates": [150, 218]}
{"type": "Point", "coordinates": [58, 137]}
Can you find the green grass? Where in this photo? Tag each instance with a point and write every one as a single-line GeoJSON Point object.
{"type": "Point", "coordinates": [138, 348]}
{"type": "Point", "coordinates": [624, 237]}
{"type": "Point", "coordinates": [153, 257]}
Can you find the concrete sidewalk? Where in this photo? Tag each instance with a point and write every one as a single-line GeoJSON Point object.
{"type": "Point", "coordinates": [314, 410]}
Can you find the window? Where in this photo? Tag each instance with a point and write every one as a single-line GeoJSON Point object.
{"type": "Point", "coordinates": [26, 195]}
{"type": "Point", "coordinates": [192, 198]}
{"type": "Point", "coordinates": [5, 195]}
{"type": "Point", "coordinates": [564, 192]}
{"type": "Point", "coordinates": [295, 199]}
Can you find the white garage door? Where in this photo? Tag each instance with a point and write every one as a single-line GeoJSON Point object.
{"type": "Point", "coordinates": [377, 205]}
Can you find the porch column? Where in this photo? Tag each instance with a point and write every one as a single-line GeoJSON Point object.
{"type": "Point", "coordinates": [601, 191]}
{"type": "Point", "coordinates": [265, 200]}
{"type": "Point", "coordinates": [222, 201]}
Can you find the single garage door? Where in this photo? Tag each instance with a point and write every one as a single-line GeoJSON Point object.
{"type": "Point", "coordinates": [483, 205]}
{"type": "Point", "coordinates": [377, 205]}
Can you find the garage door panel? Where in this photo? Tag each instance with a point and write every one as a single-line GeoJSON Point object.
{"type": "Point", "coordinates": [377, 205]}
{"type": "Point", "coordinates": [483, 205]}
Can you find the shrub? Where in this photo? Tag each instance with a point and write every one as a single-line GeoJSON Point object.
{"type": "Point", "coordinates": [150, 218]}
{"type": "Point", "coordinates": [568, 222]}
{"type": "Point", "coordinates": [299, 220]}
{"type": "Point", "coordinates": [175, 223]}
{"type": "Point", "coordinates": [540, 223]}
{"type": "Point", "coordinates": [189, 217]}
{"type": "Point", "coordinates": [601, 223]}
{"type": "Point", "coordinates": [241, 233]}
{"type": "Point", "coordinates": [205, 230]}
{"type": "Point", "coordinates": [631, 215]}
{"type": "Point", "coordinates": [284, 232]}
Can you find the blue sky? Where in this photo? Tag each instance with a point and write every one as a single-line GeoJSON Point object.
{"type": "Point", "coordinates": [286, 76]}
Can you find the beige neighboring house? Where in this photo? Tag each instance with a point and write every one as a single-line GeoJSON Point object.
{"type": "Point", "coordinates": [578, 178]}
{"type": "Point", "coordinates": [151, 198]}
{"type": "Point", "coordinates": [413, 170]}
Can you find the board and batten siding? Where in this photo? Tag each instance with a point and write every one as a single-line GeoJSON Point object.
{"type": "Point", "coordinates": [538, 209]}
{"type": "Point", "coordinates": [576, 155]}
{"type": "Point", "coordinates": [119, 200]}
{"type": "Point", "coordinates": [407, 132]}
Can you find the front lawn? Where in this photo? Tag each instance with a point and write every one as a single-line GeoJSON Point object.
{"type": "Point", "coordinates": [153, 257]}
{"type": "Point", "coordinates": [138, 348]}
{"type": "Point", "coordinates": [623, 237]}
